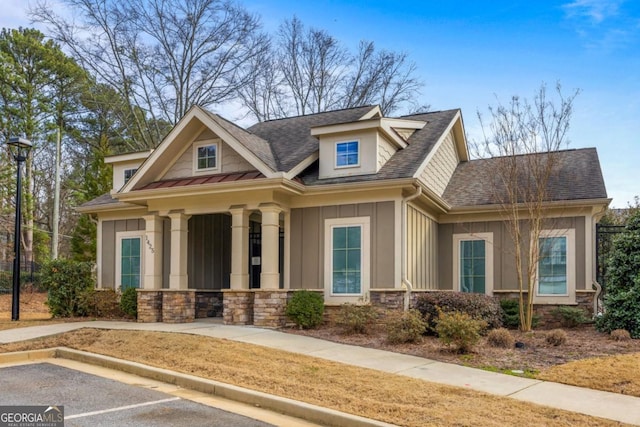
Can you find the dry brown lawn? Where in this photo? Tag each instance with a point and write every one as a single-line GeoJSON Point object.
{"type": "Point", "coordinates": [373, 394]}
{"type": "Point", "coordinates": [617, 374]}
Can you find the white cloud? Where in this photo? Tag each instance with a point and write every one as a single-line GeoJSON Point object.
{"type": "Point", "coordinates": [596, 11]}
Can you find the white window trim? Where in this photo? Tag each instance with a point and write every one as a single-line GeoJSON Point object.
{"type": "Point", "coordinates": [488, 259]}
{"type": "Point", "coordinates": [335, 154]}
{"type": "Point", "coordinates": [329, 224]}
{"type": "Point", "coordinates": [205, 143]}
{"type": "Point", "coordinates": [128, 235]}
{"type": "Point", "coordinates": [570, 296]}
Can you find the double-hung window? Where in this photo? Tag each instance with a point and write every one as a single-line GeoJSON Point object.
{"type": "Point", "coordinates": [347, 259]}
{"type": "Point", "coordinates": [552, 266]}
{"type": "Point", "coordinates": [556, 275]}
{"type": "Point", "coordinates": [473, 262]}
{"type": "Point", "coordinates": [347, 154]}
{"type": "Point", "coordinates": [472, 266]}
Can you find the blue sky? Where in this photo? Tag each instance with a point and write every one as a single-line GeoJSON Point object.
{"type": "Point", "coordinates": [472, 53]}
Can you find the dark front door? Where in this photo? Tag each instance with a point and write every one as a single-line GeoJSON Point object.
{"type": "Point", "coordinates": [255, 254]}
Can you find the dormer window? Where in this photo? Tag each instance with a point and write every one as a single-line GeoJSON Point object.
{"type": "Point", "coordinates": [128, 173]}
{"type": "Point", "coordinates": [347, 154]}
{"type": "Point", "coordinates": [206, 156]}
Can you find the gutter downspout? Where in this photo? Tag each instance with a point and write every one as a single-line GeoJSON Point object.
{"type": "Point", "coordinates": [403, 258]}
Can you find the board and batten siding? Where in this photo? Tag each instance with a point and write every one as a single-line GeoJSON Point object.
{"type": "Point", "coordinates": [307, 242]}
{"type": "Point", "coordinates": [109, 230]}
{"type": "Point", "coordinates": [504, 271]}
{"type": "Point", "coordinates": [438, 171]}
{"type": "Point", "coordinates": [422, 250]}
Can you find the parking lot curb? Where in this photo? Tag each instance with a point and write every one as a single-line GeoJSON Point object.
{"type": "Point", "coordinates": [290, 407]}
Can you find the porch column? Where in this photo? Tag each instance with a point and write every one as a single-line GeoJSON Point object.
{"type": "Point", "coordinates": [178, 269]}
{"type": "Point", "coordinates": [270, 276]}
{"type": "Point", "coordinates": [239, 247]}
{"type": "Point", "coordinates": [152, 252]}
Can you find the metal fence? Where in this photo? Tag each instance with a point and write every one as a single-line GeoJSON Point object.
{"type": "Point", "coordinates": [28, 275]}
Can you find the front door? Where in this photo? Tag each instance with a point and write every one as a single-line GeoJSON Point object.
{"type": "Point", "coordinates": [255, 254]}
{"type": "Point", "coordinates": [130, 262]}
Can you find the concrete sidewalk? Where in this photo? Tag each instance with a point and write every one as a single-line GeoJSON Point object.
{"type": "Point", "coordinates": [586, 401]}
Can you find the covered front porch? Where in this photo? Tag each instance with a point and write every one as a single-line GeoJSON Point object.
{"type": "Point", "coordinates": [229, 263]}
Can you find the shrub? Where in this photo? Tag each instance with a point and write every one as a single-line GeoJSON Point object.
{"type": "Point", "coordinates": [129, 302]}
{"type": "Point", "coordinates": [622, 296]}
{"type": "Point", "coordinates": [305, 309]}
{"type": "Point", "coordinates": [478, 306]}
{"type": "Point", "coordinates": [100, 303]}
{"type": "Point", "coordinates": [556, 337]}
{"type": "Point", "coordinates": [405, 327]}
{"type": "Point", "coordinates": [501, 337]}
{"type": "Point", "coordinates": [357, 319]}
{"type": "Point", "coordinates": [511, 314]}
{"type": "Point", "coordinates": [620, 335]}
{"type": "Point", "coordinates": [569, 317]}
{"type": "Point", "coordinates": [459, 329]}
{"type": "Point", "coordinates": [65, 281]}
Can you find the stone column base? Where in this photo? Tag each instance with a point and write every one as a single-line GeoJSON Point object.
{"type": "Point", "coordinates": [269, 306]}
{"type": "Point", "coordinates": [149, 306]}
{"type": "Point", "coordinates": [237, 307]}
{"type": "Point", "coordinates": [178, 306]}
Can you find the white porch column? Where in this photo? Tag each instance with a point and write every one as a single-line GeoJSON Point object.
{"type": "Point", "coordinates": [152, 252]}
{"type": "Point", "coordinates": [239, 247]}
{"type": "Point", "coordinates": [178, 278]}
{"type": "Point", "coordinates": [270, 276]}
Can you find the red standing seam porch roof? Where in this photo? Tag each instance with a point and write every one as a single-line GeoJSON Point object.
{"type": "Point", "coordinates": [199, 180]}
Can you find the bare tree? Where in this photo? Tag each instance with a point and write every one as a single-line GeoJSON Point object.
{"type": "Point", "coordinates": [525, 137]}
{"type": "Point", "coordinates": [163, 56]}
{"type": "Point", "coordinates": [309, 71]}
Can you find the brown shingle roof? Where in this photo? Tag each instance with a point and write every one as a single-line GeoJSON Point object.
{"type": "Point", "coordinates": [577, 176]}
{"type": "Point", "coordinates": [254, 143]}
{"type": "Point", "coordinates": [290, 138]}
{"type": "Point", "coordinates": [105, 199]}
{"type": "Point", "coordinates": [404, 163]}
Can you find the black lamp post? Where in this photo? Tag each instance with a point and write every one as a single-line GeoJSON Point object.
{"type": "Point", "coordinates": [19, 147]}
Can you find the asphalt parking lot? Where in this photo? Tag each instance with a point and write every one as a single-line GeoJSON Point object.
{"type": "Point", "coordinates": [91, 400]}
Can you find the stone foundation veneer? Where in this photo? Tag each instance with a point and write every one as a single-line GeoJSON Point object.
{"type": "Point", "coordinates": [546, 319]}
{"type": "Point", "coordinates": [390, 299]}
{"type": "Point", "coordinates": [269, 306]}
{"type": "Point", "coordinates": [149, 306]}
{"type": "Point", "coordinates": [178, 306]}
{"type": "Point", "coordinates": [237, 307]}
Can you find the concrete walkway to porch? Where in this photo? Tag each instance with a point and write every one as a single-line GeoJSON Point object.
{"type": "Point", "coordinates": [586, 401]}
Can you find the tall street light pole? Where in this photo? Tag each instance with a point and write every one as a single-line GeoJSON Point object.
{"type": "Point", "coordinates": [19, 147]}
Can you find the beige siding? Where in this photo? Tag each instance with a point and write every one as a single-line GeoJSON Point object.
{"type": "Point", "coordinates": [504, 271]}
{"type": "Point", "coordinates": [422, 250]}
{"type": "Point", "coordinates": [109, 230]}
{"type": "Point", "coordinates": [230, 162]}
{"type": "Point", "coordinates": [385, 151]}
{"type": "Point", "coordinates": [440, 168]}
{"type": "Point", "coordinates": [307, 243]}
